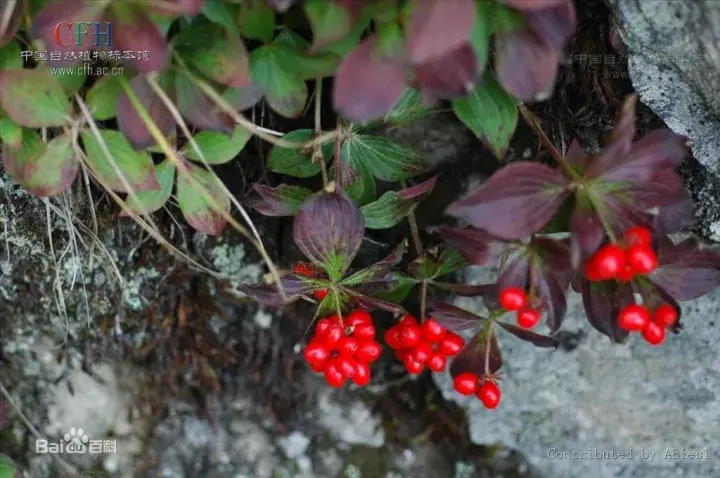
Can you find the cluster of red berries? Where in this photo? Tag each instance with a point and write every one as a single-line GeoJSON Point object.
{"type": "Point", "coordinates": [344, 349]}
{"type": "Point", "coordinates": [637, 318]}
{"type": "Point", "coordinates": [514, 299]}
{"type": "Point", "coordinates": [615, 262]}
{"type": "Point", "coordinates": [486, 390]}
{"type": "Point", "coordinates": [309, 271]}
{"type": "Point", "coordinates": [419, 345]}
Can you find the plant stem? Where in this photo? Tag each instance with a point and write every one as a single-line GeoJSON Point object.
{"type": "Point", "coordinates": [414, 231]}
{"type": "Point", "coordinates": [317, 153]}
{"type": "Point", "coordinates": [532, 121]}
{"type": "Point", "coordinates": [423, 299]}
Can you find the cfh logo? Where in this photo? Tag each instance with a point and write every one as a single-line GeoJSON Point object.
{"type": "Point", "coordinates": [72, 33]}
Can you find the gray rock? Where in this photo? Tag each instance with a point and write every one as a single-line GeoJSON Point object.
{"type": "Point", "coordinates": [603, 398]}
{"type": "Point", "coordinates": [674, 63]}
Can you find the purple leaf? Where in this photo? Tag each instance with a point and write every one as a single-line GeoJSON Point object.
{"type": "Point", "coordinates": [603, 301]}
{"type": "Point", "coordinates": [675, 216]}
{"type": "Point", "coordinates": [172, 7]}
{"type": "Point", "coordinates": [553, 25]}
{"type": "Point", "coordinates": [454, 318]}
{"type": "Point", "coordinates": [685, 272]}
{"type": "Point", "coordinates": [129, 121]}
{"type": "Point", "coordinates": [198, 109]}
{"type": "Point", "coordinates": [553, 295]}
{"type": "Point", "coordinates": [586, 232]}
{"type": "Point", "coordinates": [13, 23]}
{"type": "Point", "coordinates": [480, 356]}
{"type": "Point", "coordinates": [420, 191]}
{"type": "Point", "coordinates": [281, 5]}
{"type": "Point", "coordinates": [381, 80]}
{"type": "Point", "coordinates": [538, 340]}
{"type": "Point", "coordinates": [133, 30]}
{"type": "Point", "coordinates": [488, 292]}
{"type": "Point", "coordinates": [379, 269]}
{"type": "Point", "coordinates": [620, 140]}
{"type": "Point", "coordinates": [474, 245]}
{"type": "Point", "coordinates": [576, 156]}
{"type": "Point", "coordinates": [438, 27]}
{"type": "Point", "coordinates": [371, 303]}
{"type": "Point", "coordinates": [448, 76]}
{"type": "Point", "coordinates": [524, 65]}
{"type": "Point", "coordinates": [283, 200]}
{"type": "Point", "coordinates": [56, 20]}
{"type": "Point", "coordinates": [533, 5]}
{"type": "Point", "coordinates": [515, 202]}
{"type": "Point", "coordinates": [664, 188]}
{"type": "Point", "coordinates": [515, 273]}
{"type": "Point", "coordinates": [329, 229]}
{"type": "Point", "coordinates": [267, 294]}
{"type": "Point", "coordinates": [659, 149]}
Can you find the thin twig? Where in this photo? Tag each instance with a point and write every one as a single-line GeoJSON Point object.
{"type": "Point", "coordinates": [532, 121]}
{"type": "Point", "coordinates": [423, 299]}
{"type": "Point", "coordinates": [317, 153]}
{"type": "Point", "coordinates": [414, 231]}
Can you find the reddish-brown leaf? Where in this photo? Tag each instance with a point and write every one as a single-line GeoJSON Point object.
{"type": "Point", "coordinates": [603, 301]}
{"type": "Point", "coordinates": [454, 318]}
{"type": "Point", "coordinates": [586, 232]}
{"type": "Point", "coordinates": [475, 245]}
{"type": "Point", "coordinates": [57, 19]}
{"type": "Point", "coordinates": [532, 5]}
{"type": "Point", "coordinates": [12, 25]}
{"type": "Point", "coordinates": [197, 108]}
{"type": "Point", "coordinates": [329, 229]}
{"type": "Point", "coordinates": [686, 272]}
{"type": "Point", "coordinates": [553, 25]}
{"type": "Point", "coordinates": [371, 303]}
{"type": "Point", "coordinates": [130, 123]}
{"type": "Point", "coordinates": [518, 200]}
{"type": "Point", "coordinates": [525, 65]}
{"type": "Point", "coordinates": [438, 27]}
{"type": "Point", "coordinates": [268, 294]}
{"type": "Point", "coordinates": [448, 76]}
{"type": "Point", "coordinates": [367, 84]}
{"type": "Point", "coordinates": [542, 341]}
{"type": "Point", "coordinates": [133, 30]}
{"type": "Point", "coordinates": [480, 355]}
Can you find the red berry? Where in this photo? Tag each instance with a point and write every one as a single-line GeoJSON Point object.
{"type": "Point", "coordinates": [653, 333]}
{"type": "Point", "coordinates": [489, 394]}
{"type": "Point", "coordinates": [403, 354]}
{"type": "Point", "coordinates": [437, 362]}
{"type": "Point", "coordinates": [361, 377]}
{"type": "Point", "coordinates": [346, 365]}
{"type": "Point", "coordinates": [302, 269]}
{"type": "Point", "coordinates": [320, 294]}
{"type": "Point", "coordinates": [432, 331]}
{"type": "Point", "coordinates": [422, 352]}
{"type": "Point", "coordinates": [413, 366]}
{"type": "Point", "coordinates": [322, 326]}
{"type": "Point", "coordinates": [465, 383]}
{"type": "Point", "coordinates": [357, 317]}
{"type": "Point", "coordinates": [641, 258]}
{"type": "Point", "coordinates": [410, 335]}
{"type": "Point", "coordinates": [333, 376]}
{"type": "Point", "coordinates": [451, 344]}
{"type": "Point", "coordinates": [665, 315]}
{"type": "Point", "coordinates": [608, 261]}
{"type": "Point", "coordinates": [626, 274]}
{"type": "Point", "coordinates": [333, 336]}
{"type": "Point", "coordinates": [638, 235]}
{"type": "Point", "coordinates": [348, 346]}
{"type": "Point", "coordinates": [633, 317]}
{"type": "Point", "coordinates": [364, 332]}
{"type": "Point", "coordinates": [408, 320]}
{"type": "Point", "coordinates": [513, 298]}
{"type": "Point", "coordinates": [317, 368]}
{"type": "Point", "coordinates": [392, 337]}
{"type": "Point", "coordinates": [316, 353]}
{"type": "Point", "coordinates": [368, 351]}
{"type": "Point", "coordinates": [528, 318]}
{"type": "Point", "coordinates": [591, 272]}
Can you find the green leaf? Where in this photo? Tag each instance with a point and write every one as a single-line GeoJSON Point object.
{"type": "Point", "coordinates": [11, 56]}
{"type": "Point", "coordinates": [7, 467]}
{"type": "Point", "coordinates": [450, 261]}
{"type": "Point", "coordinates": [376, 157]}
{"type": "Point", "coordinates": [480, 34]}
{"type": "Point", "coordinates": [225, 59]}
{"type": "Point", "coordinates": [283, 200]}
{"type": "Point", "coordinates": [136, 166]}
{"type": "Point", "coordinates": [330, 22]}
{"type": "Point", "coordinates": [103, 96]}
{"type": "Point", "coordinates": [200, 213]}
{"type": "Point", "coordinates": [491, 113]}
{"type": "Point", "coordinates": [11, 133]}
{"type": "Point", "coordinates": [504, 19]}
{"type": "Point", "coordinates": [399, 292]}
{"type": "Point", "coordinates": [33, 98]}
{"type": "Point", "coordinates": [288, 37]}
{"type": "Point", "coordinates": [223, 14]}
{"type": "Point", "coordinates": [297, 162]}
{"type": "Point", "coordinates": [217, 147]}
{"type": "Point", "coordinates": [393, 206]}
{"type": "Point", "coordinates": [43, 169]}
{"type": "Point", "coordinates": [71, 79]}
{"type": "Point", "coordinates": [285, 92]}
{"type": "Point", "coordinates": [297, 60]}
{"type": "Point", "coordinates": [408, 108]}
{"type": "Point", "coordinates": [348, 44]}
{"type": "Point", "coordinates": [329, 305]}
{"type": "Point", "coordinates": [151, 201]}
{"type": "Point", "coordinates": [257, 20]}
